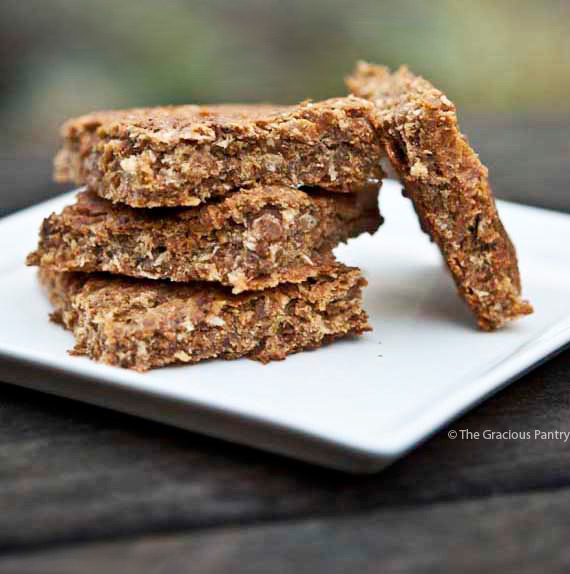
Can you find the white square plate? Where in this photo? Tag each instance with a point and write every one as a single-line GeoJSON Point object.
{"type": "Point", "coordinates": [355, 405]}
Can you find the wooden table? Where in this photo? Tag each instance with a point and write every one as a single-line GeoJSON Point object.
{"type": "Point", "coordinates": [82, 487]}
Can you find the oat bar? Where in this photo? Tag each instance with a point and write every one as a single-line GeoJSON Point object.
{"type": "Point", "coordinates": [183, 155]}
{"type": "Point", "coordinates": [449, 188]}
{"type": "Point", "coordinates": [141, 324]}
{"type": "Point", "coordinates": [253, 239]}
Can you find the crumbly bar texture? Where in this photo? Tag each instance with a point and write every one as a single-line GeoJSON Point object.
{"type": "Point", "coordinates": [253, 239]}
{"type": "Point", "coordinates": [449, 188]}
{"type": "Point", "coordinates": [183, 155]}
{"type": "Point", "coordinates": [142, 324]}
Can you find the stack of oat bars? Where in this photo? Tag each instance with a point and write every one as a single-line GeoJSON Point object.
{"type": "Point", "coordinates": [208, 232]}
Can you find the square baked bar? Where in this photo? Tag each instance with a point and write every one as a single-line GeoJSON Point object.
{"type": "Point", "coordinates": [141, 324]}
{"type": "Point", "coordinates": [449, 188]}
{"type": "Point", "coordinates": [183, 155]}
{"type": "Point", "coordinates": [252, 239]}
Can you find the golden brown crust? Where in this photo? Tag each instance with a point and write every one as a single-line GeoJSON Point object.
{"type": "Point", "coordinates": [183, 155]}
{"type": "Point", "coordinates": [449, 188]}
{"type": "Point", "coordinates": [142, 324]}
{"type": "Point", "coordinates": [253, 239]}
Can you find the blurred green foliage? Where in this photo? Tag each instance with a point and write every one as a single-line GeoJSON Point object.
{"type": "Point", "coordinates": [64, 57]}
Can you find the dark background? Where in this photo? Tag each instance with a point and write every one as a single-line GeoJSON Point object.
{"type": "Point", "coordinates": [505, 63]}
{"type": "Point", "coordinates": [66, 57]}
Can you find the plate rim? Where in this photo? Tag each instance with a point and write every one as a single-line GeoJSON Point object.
{"type": "Point", "coordinates": [356, 456]}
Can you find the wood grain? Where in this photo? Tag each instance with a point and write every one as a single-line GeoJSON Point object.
{"type": "Point", "coordinates": [517, 533]}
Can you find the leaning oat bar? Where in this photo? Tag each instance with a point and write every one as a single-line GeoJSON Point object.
{"type": "Point", "coordinates": [141, 324]}
{"type": "Point", "coordinates": [183, 155]}
{"type": "Point", "coordinates": [253, 239]}
{"type": "Point", "coordinates": [449, 188]}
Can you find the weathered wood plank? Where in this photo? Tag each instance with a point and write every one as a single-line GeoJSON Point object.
{"type": "Point", "coordinates": [72, 472]}
{"type": "Point", "coordinates": [520, 533]}
{"type": "Point", "coordinates": [527, 157]}
{"type": "Point", "coordinates": [25, 181]}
